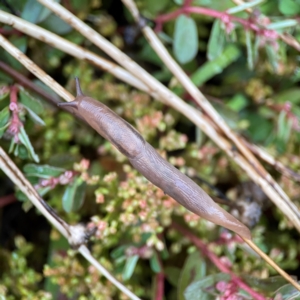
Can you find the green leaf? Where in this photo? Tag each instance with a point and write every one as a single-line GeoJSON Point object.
{"type": "Point", "coordinates": [4, 118]}
{"type": "Point", "coordinates": [284, 127]}
{"type": "Point", "coordinates": [26, 142]}
{"type": "Point", "coordinates": [178, 2]}
{"type": "Point", "coordinates": [56, 25]}
{"type": "Point", "coordinates": [129, 267]}
{"type": "Point", "coordinates": [237, 103]}
{"type": "Point", "coordinates": [35, 118]}
{"type": "Point", "coordinates": [74, 195]}
{"type": "Point", "coordinates": [270, 284]}
{"type": "Point", "coordinates": [288, 292]}
{"type": "Point", "coordinates": [273, 57]}
{"type": "Point", "coordinates": [185, 45]}
{"type": "Point", "coordinates": [216, 41]}
{"type": "Point", "coordinates": [249, 50]}
{"type": "Point", "coordinates": [4, 95]}
{"type": "Point", "coordinates": [289, 7]}
{"type": "Point", "coordinates": [211, 68]}
{"type": "Point", "coordinates": [120, 251]}
{"type": "Point", "coordinates": [197, 290]}
{"type": "Point", "coordinates": [42, 171]}
{"type": "Point", "coordinates": [154, 263]}
{"type": "Point", "coordinates": [244, 6]}
{"type": "Point", "coordinates": [30, 102]}
{"type": "Point", "coordinates": [292, 95]}
{"type": "Point", "coordinates": [172, 274]}
{"type": "Point", "coordinates": [194, 269]}
{"type": "Point", "coordinates": [32, 11]}
{"type": "Point", "coordinates": [282, 24]}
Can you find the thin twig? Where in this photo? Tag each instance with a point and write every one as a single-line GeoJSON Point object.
{"type": "Point", "coordinates": [266, 258]}
{"type": "Point", "coordinates": [280, 167]}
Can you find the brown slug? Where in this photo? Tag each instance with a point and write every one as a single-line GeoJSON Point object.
{"type": "Point", "coordinates": [148, 162]}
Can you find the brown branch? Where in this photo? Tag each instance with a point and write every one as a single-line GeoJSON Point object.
{"type": "Point", "coordinates": [20, 78]}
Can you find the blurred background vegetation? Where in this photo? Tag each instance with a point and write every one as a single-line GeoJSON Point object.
{"type": "Point", "coordinates": [252, 81]}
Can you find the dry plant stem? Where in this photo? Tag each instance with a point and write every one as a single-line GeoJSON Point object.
{"type": "Point", "coordinates": [287, 38]}
{"type": "Point", "coordinates": [28, 83]}
{"type": "Point", "coordinates": [169, 98]}
{"type": "Point", "coordinates": [71, 48]}
{"type": "Point", "coordinates": [273, 162]}
{"type": "Point", "coordinates": [272, 263]}
{"type": "Point", "coordinates": [205, 104]}
{"type": "Point", "coordinates": [12, 171]}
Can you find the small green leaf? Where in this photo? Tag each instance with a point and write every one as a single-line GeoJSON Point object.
{"type": "Point", "coordinates": [154, 264]}
{"type": "Point", "coordinates": [249, 50]}
{"type": "Point", "coordinates": [282, 24]}
{"type": "Point", "coordinates": [4, 95]}
{"type": "Point", "coordinates": [216, 41]}
{"type": "Point", "coordinates": [74, 195]}
{"type": "Point", "coordinates": [4, 118]}
{"type": "Point", "coordinates": [291, 95]}
{"type": "Point", "coordinates": [35, 118]}
{"type": "Point", "coordinates": [130, 266]}
{"type": "Point", "coordinates": [211, 68]}
{"type": "Point", "coordinates": [26, 142]}
{"type": "Point", "coordinates": [273, 57]}
{"type": "Point", "coordinates": [289, 7]}
{"type": "Point", "coordinates": [244, 6]}
{"type": "Point", "coordinates": [197, 290]}
{"type": "Point", "coordinates": [185, 45]}
{"type": "Point", "coordinates": [237, 103]}
{"type": "Point", "coordinates": [56, 25]}
{"type": "Point", "coordinates": [30, 102]}
{"type": "Point", "coordinates": [118, 252]}
{"type": "Point", "coordinates": [31, 11]}
{"type": "Point", "coordinates": [288, 292]}
{"type": "Point", "coordinates": [178, 2]}
{"type": "Point", "coordinates": [194, 269]}
{"type": "Point", "coordinates": [42, 171]}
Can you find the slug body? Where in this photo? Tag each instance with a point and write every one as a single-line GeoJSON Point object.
{"type": "Point", "coordinates": [148, 162]}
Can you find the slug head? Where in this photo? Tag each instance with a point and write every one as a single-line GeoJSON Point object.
{"type": "Point", "coordinates": [79, 95]}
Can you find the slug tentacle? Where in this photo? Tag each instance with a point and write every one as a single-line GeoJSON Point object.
{"type": "Point", "coordinates": [149, 163]}
{"type": "Point", "coordinates": [78, 88]}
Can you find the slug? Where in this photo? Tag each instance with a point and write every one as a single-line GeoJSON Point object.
{"type": "Point", "coordinates": [149, 163]}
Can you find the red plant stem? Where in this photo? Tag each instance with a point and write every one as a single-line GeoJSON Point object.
{"type": "Point", "coordinates": [224, 16]}
{"type": "Point", "coordinates": [9, 32]}
{"type": "Point", "coordinates": [216, 261]}
{"type": "Point", "coordinates": [14, 127]}
{"type": "Point", "coordinates": [24, 81]}
{"type": "Point", "coordinates": [160, 286]}
{"type": "Point", "coordinates": [6, 200]}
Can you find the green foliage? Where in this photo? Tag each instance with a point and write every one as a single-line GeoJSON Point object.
{"type": "Point", "coordinates": [185, 45]}
{"type": "Point", "coordinates": [251, 80]}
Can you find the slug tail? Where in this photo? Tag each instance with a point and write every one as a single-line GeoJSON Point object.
{"type": "Point", "coordinates": [78, 88]}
